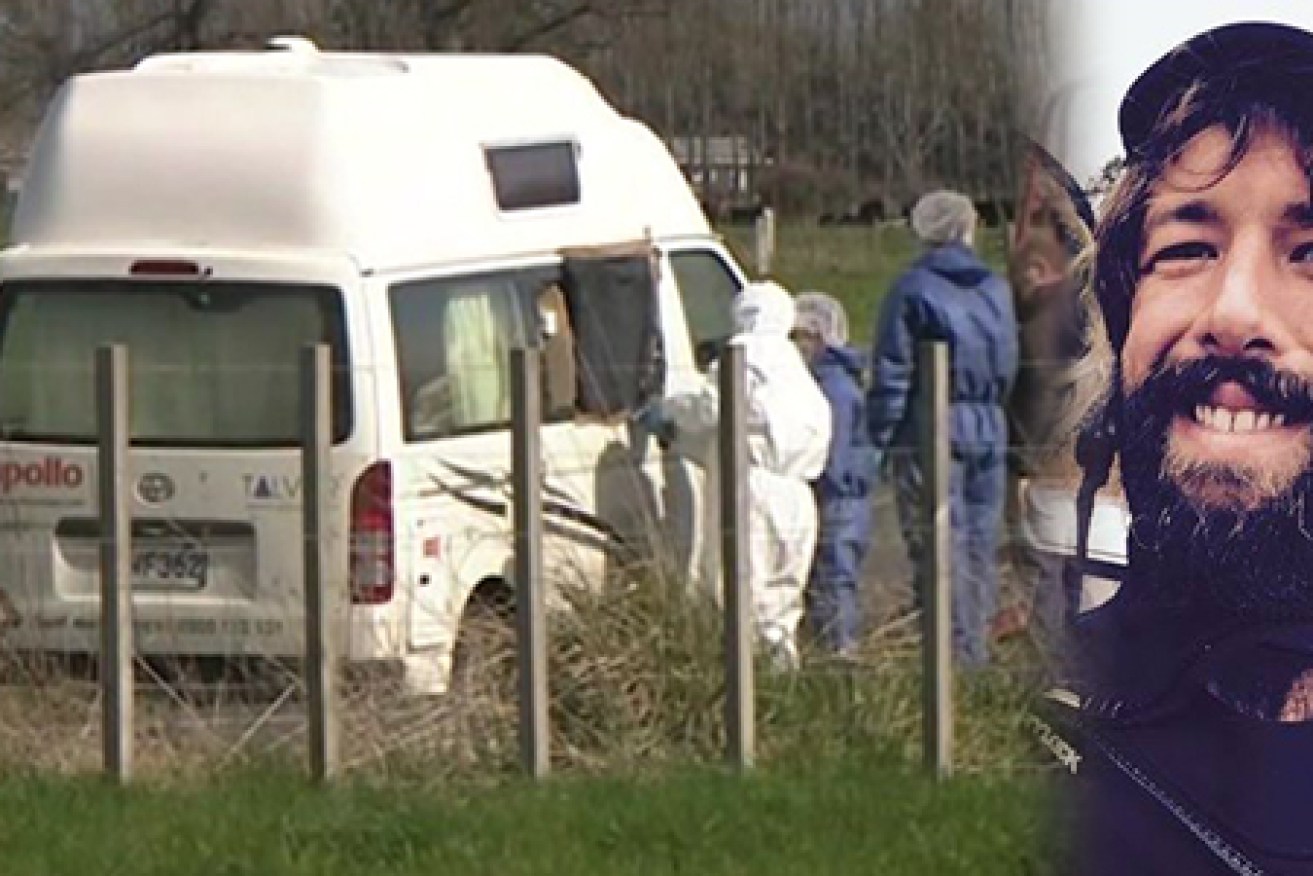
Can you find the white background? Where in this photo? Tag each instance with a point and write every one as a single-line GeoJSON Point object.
{"type": "Point", "coordinates": [1100, 46]}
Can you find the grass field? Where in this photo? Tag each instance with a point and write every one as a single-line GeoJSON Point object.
{"type": "Point", "coordinates": [837, 818]}
{"type": "Point", "coordinates": [855, 264]}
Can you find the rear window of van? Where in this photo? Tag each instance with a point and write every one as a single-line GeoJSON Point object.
{"type": "Point", "coordinates": [210, 363]}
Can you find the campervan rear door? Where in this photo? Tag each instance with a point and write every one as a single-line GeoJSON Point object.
{"type": "Point", "coordinates": [214, 474]}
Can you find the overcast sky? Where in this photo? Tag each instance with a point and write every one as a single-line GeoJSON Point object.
{"type": "Point", "coordinates": [1104, 44]}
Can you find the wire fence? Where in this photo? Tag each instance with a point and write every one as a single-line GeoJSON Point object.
{"type": "Point", "coordinates": [427, 615]}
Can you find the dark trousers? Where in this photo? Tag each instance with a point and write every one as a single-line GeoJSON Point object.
{"type": "Point", "coordinates": [976, 494]}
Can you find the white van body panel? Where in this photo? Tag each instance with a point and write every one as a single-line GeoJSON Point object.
{"type": "Point", "coordinates": [387, 167]}
{"type": "Point", "coordinates": [602, 481]}
{"type": "Point", "coordinates": [353, 173]}
{"type": "Point", "coordinates": [252, 599]}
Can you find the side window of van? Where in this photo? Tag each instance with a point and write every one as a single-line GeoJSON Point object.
{"type": "Point", "coordinates": [707, 288]}
{"type": "Point", "coordinates": [453, 341]}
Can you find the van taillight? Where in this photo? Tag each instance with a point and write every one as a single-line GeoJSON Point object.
{"type": "Point", "coordinates": [372, 570]}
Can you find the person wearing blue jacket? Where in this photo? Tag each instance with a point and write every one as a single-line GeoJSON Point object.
{"type": "Point", "coordinates": [948, 294]}
{"type": "Point", "coordinates": [843, 491]}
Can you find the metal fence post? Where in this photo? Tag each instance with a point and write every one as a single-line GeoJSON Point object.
{"type": "Point", "coordinates": [531, 623]}
{"type": "Point", "coordinates": [765, 240]}
{"type": "Point", "coordinates": [936, 461]}
{"type": "Point", "coordinates": [740, 726]}
{"type": "Point", "coordinates": [322, 603]}
{"type": "Point", "coordinates": [116, 643]}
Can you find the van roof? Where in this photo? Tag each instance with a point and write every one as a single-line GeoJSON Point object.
{"type": "Point", "coordinates": [378, 156]}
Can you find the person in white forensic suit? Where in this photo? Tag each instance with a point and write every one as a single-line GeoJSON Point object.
{"type": "Point", "coordinates": [788, 438]}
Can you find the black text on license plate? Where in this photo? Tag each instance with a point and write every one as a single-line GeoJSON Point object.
{"type": "Point", "coordinates": [174, 568]}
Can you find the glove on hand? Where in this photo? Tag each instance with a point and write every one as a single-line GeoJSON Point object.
{"type": "Point", "coordinates": [653, 419]}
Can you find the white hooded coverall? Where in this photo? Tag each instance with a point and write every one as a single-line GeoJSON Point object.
{"type": "Point", "coordinates": [788, 435]}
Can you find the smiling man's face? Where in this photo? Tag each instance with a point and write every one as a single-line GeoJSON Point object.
{"type": "Point", "coordinates": [1220, 342]}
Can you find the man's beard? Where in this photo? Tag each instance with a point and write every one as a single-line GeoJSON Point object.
{"type": "Point", "coordinates": [1192, 548]}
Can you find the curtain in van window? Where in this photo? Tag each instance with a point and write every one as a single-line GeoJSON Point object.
{"type": "Point", "coordinates": [454, 337]}
{"type": "Point", "coordinates": [476, 359]}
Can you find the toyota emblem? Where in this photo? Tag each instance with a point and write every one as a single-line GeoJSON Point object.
{"type": "Point", "coordinates": [155, 487]}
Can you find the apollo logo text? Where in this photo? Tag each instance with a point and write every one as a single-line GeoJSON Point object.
{"type": "Point", "coordinates": [51, 473]}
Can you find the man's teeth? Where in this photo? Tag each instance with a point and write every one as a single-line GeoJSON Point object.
{"type": "Point", "coordinates": [1236, 421]}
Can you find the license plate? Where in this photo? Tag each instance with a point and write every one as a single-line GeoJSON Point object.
{"type": "Point", "coordinates": [181, 567]}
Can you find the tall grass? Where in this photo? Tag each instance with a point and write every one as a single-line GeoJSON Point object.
{"type": "Point", "coordinates": [636, 680]}
{"type": "Point", "coordinates": [637, 684]}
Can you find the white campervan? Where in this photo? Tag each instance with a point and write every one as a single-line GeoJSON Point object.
{"type": "Point", "coordinates": [421, 214]}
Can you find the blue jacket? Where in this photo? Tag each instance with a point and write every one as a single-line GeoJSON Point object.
{"type": "Point", "coordinates": [948, 294]}
{"type": "Point", "coordinates": [848, 471]}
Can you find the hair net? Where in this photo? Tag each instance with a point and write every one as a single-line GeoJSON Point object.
{"type": "Point", "coordinates": [943, 217]}
{"type": "Point", "coordinates": [822, 315]}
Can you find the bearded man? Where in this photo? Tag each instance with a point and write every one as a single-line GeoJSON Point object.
{"type": "Point", "coordinates": [1188, 718]}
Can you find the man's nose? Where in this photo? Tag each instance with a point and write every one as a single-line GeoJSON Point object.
{"type": "Point", "coordinates": [1236, 322]}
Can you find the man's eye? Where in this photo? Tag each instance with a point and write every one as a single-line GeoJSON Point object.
{"type": "Point", "coordinates": [1303, 252]}
{"type": "Point", "coordinates": [1177, 253]}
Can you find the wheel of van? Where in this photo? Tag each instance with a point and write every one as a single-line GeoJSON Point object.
{"type": "Point", "coordinates": [482, 694]}
{"type": "Point", "coordinates": [483, 661]}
